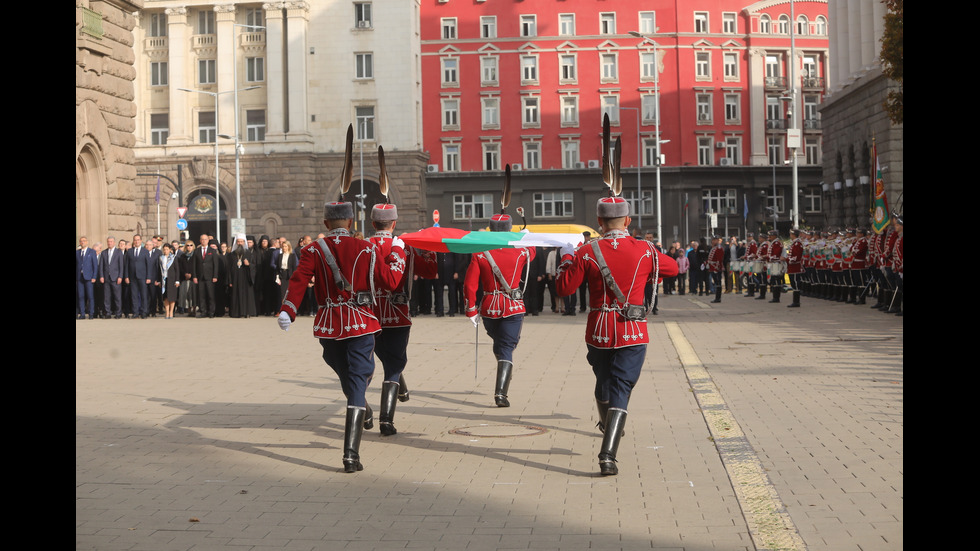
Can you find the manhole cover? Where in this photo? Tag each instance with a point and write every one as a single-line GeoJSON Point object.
{"type": "Point", "coordinates": [490, 431]}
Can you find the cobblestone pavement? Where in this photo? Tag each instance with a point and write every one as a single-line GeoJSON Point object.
{"type": "Point", "coordinates": [754, 427]}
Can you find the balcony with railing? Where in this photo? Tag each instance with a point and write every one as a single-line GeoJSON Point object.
{"type": "Point", "coordinates": [813, 83]}
{"type": "Point", "coordinates": [252, 40]}
{"type": "Point", "coordinates": [776, 124]}
{"type": "Point", "coordinates": [156, 43]}
{"type": "Point", "coordinates": [811, 124]}
{"type": "Point", "coordinates": [775, 83]}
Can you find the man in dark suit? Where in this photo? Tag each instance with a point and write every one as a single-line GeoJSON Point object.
{"type": "Point", "coordinates": [448, 279]}
{"type": "Point", "coordinates": [135, 276]}
{"type": "Point", "coordinates": [111, 269]}
{"type": "Point", "coordinates": [153, 278]}
{"type": "Point", "coordinates": [206, 266]}
{"type": "Point", "coordinates": [86, 270]}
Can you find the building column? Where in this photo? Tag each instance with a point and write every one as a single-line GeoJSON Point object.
{"type": "Point", "coordinates": [297, 25]}
{"type": "Point", "coordinates": [758, 153]}
{"type": "Point", "coordinates": [276, 73]}
{"type": "Point", "coordinates": [227, 56]}
{"type": "Point", "coordinates": [838, 44]}
{"type": "Point", "coordinates": [178, 47]}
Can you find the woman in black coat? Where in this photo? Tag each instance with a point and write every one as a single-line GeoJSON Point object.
{"type": "Point", "coordinates": [285, 266]}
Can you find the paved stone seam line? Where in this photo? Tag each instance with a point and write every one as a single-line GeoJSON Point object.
{"type": "Point", "coordinates": [770, 525]}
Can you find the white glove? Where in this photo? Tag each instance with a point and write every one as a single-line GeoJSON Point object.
{"type": "Point", "coordinates": [525, 230]}
{"type": "Point", "coordinates": [397, 242]}
{"type": "Point", "coordinates": [568, 249]}
{"type": "Point", "coordinates": [476, 320]}
{"type": "Point", "coordinates": [284, 321]}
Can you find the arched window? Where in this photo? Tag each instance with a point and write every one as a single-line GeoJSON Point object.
{"type": "Point", "coordinates": [784, 24]}
{"type": "Point", "coordinates": [765, 24]}
{"type": "Point", "coordinates": [821, 25]}
{"type": "Point", "coordinates": [802, 26]}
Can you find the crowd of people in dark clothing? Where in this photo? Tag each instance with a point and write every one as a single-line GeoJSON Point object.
{"type": "Point", "coordinates": [137, 279]}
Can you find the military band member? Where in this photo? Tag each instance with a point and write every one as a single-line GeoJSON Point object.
{"type": "Point", "coordinates": [616, 331]}
{"type": "Point", "coordinates": [391, 343]}
{"type": "Point", "coordinates": [886, 260]}
{"type": "Point", "coordinates": [716, 261]}
{"type": "Point", "coordinates": [762, 254]}
{"type": "Point", "coordinates": [859, 266]}
{"type": "Point", "coordinates": [898, 264]}
{"type": "Point", "coordinates": [751, 249]}
{"type": "Point", "coordinates": [821, 266]}
{"type": "Point", "coordinates": [775, 256]}
{"type": "Point", "coordinates": [794, 265]}
{"type": "Point", "coordinates": [502, 308]}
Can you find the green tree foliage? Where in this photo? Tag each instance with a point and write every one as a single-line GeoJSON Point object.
{"type": "Point", "coordinates": [892, 58]}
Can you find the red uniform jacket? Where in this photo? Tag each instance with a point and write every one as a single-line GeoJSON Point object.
{"type": "Point", "coordinates": [775, 251]}
{"type": "Point", "coordinates": [859, 254]}
{"type": "Point", "coordinates": [496, 303]}
{"type": "Point", "coordinates": [794, 257]}
{"type": "Point", "coordinates": [750, 250]}
{"type": "Point", "coordinates": [339, 316]}
{"type": "Point", "coordinates": [762, 253]}
{"type": "Point", "coordinates": [898, 255]}
{"type": "Point", "coordinates": [632, 263]}
{"type": "Point", "coordinates": [889, 248]}
{"type": "Point", "coordinates": [716, 259]}
{"type": "Point", "coordinates": [392, 306]}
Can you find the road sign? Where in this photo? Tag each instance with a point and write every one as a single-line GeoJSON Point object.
{"type": "Point", "coordinates": [181, 211]}
{"type": "Point", "coordinates": [435, 216]}
{"type": "Point", "coordinates": [181, 224]}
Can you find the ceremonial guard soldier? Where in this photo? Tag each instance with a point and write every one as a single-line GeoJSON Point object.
{"type": "Point", "coordinates": [751, 249]}
{"type": "Point", "coordinates": [886, 260]}
{"type": "Point", "coordinates": [499, 273]}
{"type": "Point", "coordinates": [775, 262]}
{"type": "Point", "coordinates": [617, 269]}
{"type": "Point", "coordinates": [820, 251]}
{"type": "Point", "coordinates": [716, 265]}
{"type": "Point", "coordinates": [898, 264]}
{"type": "Point", "coordinates": [762, 255]}
{"type": "Point", "coordinates": [346, 272]}
{"type": "Point", "coordinates": [809, 274]}
{"type": "Point", "coordinates": [837, 267]}
{"type": "Point", "coordinates": [794, 265]}
{"type": "Point", "coordinates": [859, 266]}
{"type": "Point", "coordinates": [391, 344]}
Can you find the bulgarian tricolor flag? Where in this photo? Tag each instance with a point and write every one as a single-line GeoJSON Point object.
{"type": "Point", "coordinates": [452, 240]}
{"type": "Point", "coordinates": [879, 207]}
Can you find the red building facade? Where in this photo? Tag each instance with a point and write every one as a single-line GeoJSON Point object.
{"type": "Point", "coordinates": [527, 84]}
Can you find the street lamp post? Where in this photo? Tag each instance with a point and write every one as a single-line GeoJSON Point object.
{"type": "Point", "coordinates": [217, 190]}
{"type": "Point", "coordinates": [793, 114]}
{"type": "Point", "coordinates": [639, 163]}
{"type": "Point", "coordinates": [656, 122]}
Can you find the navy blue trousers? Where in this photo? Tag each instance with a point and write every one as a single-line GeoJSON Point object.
{"type": "Point", "coordinates": [391, 347]}
{"type": "Point", "coordinates": [616, 372]}
{"type": "Point", "coordinates": [505, 332]}
{"type": "Point", "coordinates": [353, 361]}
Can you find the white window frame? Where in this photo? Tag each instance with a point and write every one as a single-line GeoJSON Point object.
{"type": "Point", "coordinates": [569, 111]}
{"type": "Point", "coordinates": [490, 108]}
{"type": "Point", "coordinates": [642, 207]}
{"type": "Point", "coordinates": [648, 22]}
{"type": "Point", "coordinates": [609, 104]}
{"type": "Point", "coordinates": [570, 153]}
{"type": "Point", "coordinates": [529, 69]}
{"type": "Point", "coordinates": [774, 111]}
{"type": "Point", "coordinates": [255, 69]}
{"type": "Point", "coordinates": [648, 107]}
{"type": "Point", "coordinates": [207, 72]}
{"type": "Point", "coordinates": [206, 133]}
{"type": "Point", "coordinates": [703, 102]}
{"type": "Point", "coordinates": [778, 200]}
{"type": "Point", "coordinates": [802, 26]}
{"type": "Point", "coordinates": [158, 25]}
{"type": "Point", "coordinates": [649, 152]}
{"type": "Point", "coordinates": [567, 68]}
{"type": "Point", "coordinates": [783, 24]}
{"type": "Point", "coordinates": [701, 22]}
{"type": "Point", "coordinates": [729, 22]}
{"type": "Point", "coordinates": [363, 18]}
{"type": "Point", "coordinates": [730, 61]}
{"type": "Point", "coordinates": [820, 26]}
{"type": "Point", "coordinates": [532, 155]}
{"type": "Point", "coordinates": [607, 23]}
{"type": "Point", "coordinates": [365, 132]}
{"type": "Point", "coordinates": [733, 149]}
{"type": "Point", "coordinates": [765, 24]}
{"type": "Point", "coordinates": [472, 206]}
{"type": "Point", "coordinates": [811, 147]}
{"type": "Point", "coordinates": [702, 65]}
{"type": "Point", "coordinates": [205, 21]}
{"type": "Point", "coordinates": [254, 17]}
{"type": "Point", "coordinates": [648, 66]}
{"type": "Point", "coordinates": [775, 150]}
{"type": "Point", "coordinates": [812, 200]}
{"type": "Point", "coordinates": [254, 130]}
{"type": "Point", "coordinates": [733, 108]}
{"type": "Point", "coordinates": [811, 107]}
{"type": "Point", "coordinates": [450, 113]}
{"type": "Point", "coordinates": [489, 70]}
{"type": "Point", "coordinates": [706, 151]}
{"type": "Point", "coordinates": [488, 26]}
{"type": "Point", "coordinates": [448, 28]}
{"type": "Point", "coordinates": [450, 72]}
{"type": "Point", "coordinates": [554, 204]}
{"type": "Point", "coordinates": [491, 155]}
{"type": "Point", "coordinates": [531, 112]}
{"type": "Point", "coordinates": [364, 65]}
{"type": "Point", "coordinates": [451, 157]}
{"type": "Point", "coordinates": [528, 25]}
{"type": "Point", "coordinates": [566, 24]}
{"type": "Point", "coordinates": [158, 133]}
{"type": "Point", "coordinates": [608, 67]}
{"type": "Point", "coordinates": [159, 73]}
{"type": "Point", "coordinates": [720, 200]}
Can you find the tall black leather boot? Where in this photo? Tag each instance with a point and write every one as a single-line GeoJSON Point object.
{"type": "Point", "coordinates": [353, 428]}
{"type": "Point", "coordinates": [504, 369]}
{"type": "Point", "coordinates": [615, 424]}
{"type": "Point", "coordinates": [796, 300]}
{"type": "Point", "coordinates": [762, 292]}
{"type": "Point", "coordinates": [776, 289]}
{"type": "Point", "coordinates": [386, 418]}
{"type": "Point", "coordinates": [881, 299]}
{"type": "Point", "coordinates": [402, 389]}
{"type": "Point", "coordinates": [368, 418]}
{"type": "Point", "coordinates": [897, 306]}
{"type": "Point", "coordinates": [751, 287]}
{"type": "Point", "coordinates": [603, 409]}
{"type": "Point", "coordinates": [717, 293]}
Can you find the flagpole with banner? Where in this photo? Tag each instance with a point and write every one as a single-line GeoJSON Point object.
{"type": "Point", "coordinates": [879, 207]}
